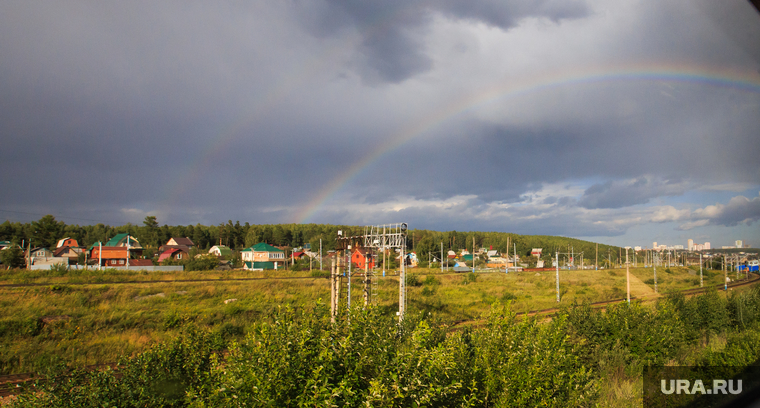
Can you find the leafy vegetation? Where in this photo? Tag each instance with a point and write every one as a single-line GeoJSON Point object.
{"type": "Point", "coordinates": [581, 357]}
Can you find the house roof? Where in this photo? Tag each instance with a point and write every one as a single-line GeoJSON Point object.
{"type": "Point", "coordinates": [163, 248]}
{"type": "Point", "coordinates": [264, 247]}
{"type": "Point", "coordinates": [66, 249]}
{"type": "Point", "coordinates": [168, 253]}
{"type": "Point", "coordinates": [62, 242]}
{"type": "Point", "coordinates": [361, 251]}
{"type": "Point", "coordinates": [119, 237]}
{"type": "Point", "coordinates": [182, 241]}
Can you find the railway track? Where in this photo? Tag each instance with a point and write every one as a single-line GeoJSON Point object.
{"type": "Point", "coordinates": [16, 383]}
{"type": "Point", "coordinates": [601, 304]}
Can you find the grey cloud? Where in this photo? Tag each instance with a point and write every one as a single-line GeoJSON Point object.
{"type": "Point", "coordinates": [391, 31]}
{"type": "Point", "coordinates": [506, 15]}
{"type": "Point", "coordinates": [739, 210]}
{"type": "Point", "coordinates": [624, 193]}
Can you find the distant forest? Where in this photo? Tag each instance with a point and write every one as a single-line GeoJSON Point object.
{"type": "Point", "coordinates": [46, 231]}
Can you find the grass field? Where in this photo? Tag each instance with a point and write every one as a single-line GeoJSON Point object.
{"type": "Point", "coordinates": [93, 317]}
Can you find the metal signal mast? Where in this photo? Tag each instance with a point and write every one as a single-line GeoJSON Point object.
{"type": "Point", "coordinates": [380, 237]}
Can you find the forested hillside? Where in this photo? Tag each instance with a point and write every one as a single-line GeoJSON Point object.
{"type": "Point", "coordinates": [47, 230]}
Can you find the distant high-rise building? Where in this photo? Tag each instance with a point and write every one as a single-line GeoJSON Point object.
{"type": "Point", "coordinates": [654, 245]}
{"type": "Point", "coordinates": [739, 243]}
{"type": "Point", "coordinates": [706, 245]}
{"type": "Point", "coordinates": [690, 244]}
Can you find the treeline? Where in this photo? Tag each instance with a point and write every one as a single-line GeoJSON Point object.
{"type": "Point", "coordinates": [47, 231]}
{"type": "Point", "coordinates": [580, 357]}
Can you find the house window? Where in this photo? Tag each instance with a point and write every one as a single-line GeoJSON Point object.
{"type": "Point", "coordinates": [179, 256]}
{"type": "Point", "coordinates": [121, 262]}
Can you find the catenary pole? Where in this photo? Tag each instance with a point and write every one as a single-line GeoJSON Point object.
{"type": "Point", "coordinates": [627, 277]}
{"type": "Point", "coordinates": [556, 264]}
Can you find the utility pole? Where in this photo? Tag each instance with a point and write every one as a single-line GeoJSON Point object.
{"type": "Point", "coordinates": [515, 258]}
{"type": "Point", "coordinates": [441, 256]}
{"type": "Point", "coordinates": [320, 255]}
{"type": "Point", "coordinates": [127, 251]}
{"type": "Point", "coordinates": [655, 279]}
{"type": "Point", "coordinates": [334, 288]}
{"type": "Point", "coordinates": [620, 255]}
{"type": "Point", "coordinates": [700, 270]}
{"type": "Point", "coordinates": [596, 258]}
{"type": "Point", "coordinates": [402, 284]}
{"type": "Point", "coordinates": [556, 254]}
{"type": "Point", "coordinates": [367, 281]}
{"type": "Point", "coordinates": [473, 253]}
{"type": "Point", "coordinates": [506, 266]}
{"type": "Point", "coordinates": [725, 273]}
{"type": "Point", "coordinates": [348, 257]}
{"type": "Point", "coordinates": [627, 277]}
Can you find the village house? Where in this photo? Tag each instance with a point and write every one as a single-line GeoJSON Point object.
{"type": "Point", "coordinates": [186, 244]}
{"type": "Point", "coordinates": [262, 256]}
{"type": "Point", "coordinates": [360, 258]}
{"type": "Point", "coordinates": [173, 253]}
{"type": "Point", "coordinates": [175, 248]}
{"type": "Point", "coordinates": [120, 250]}
{"type": "Point", "coordinates": [71, 254]}
{"type": "Point", "coordinates": [67, 242]}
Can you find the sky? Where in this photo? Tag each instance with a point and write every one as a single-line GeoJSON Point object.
{"type": "Point", "coordinates": [620, 122]}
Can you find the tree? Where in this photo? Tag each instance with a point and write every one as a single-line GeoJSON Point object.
{"type": "Point", "coordinates": [46, 231]}
{"type": "Point", "coordinates": [13, 257]}
{"type": "Point", "coordinates": [151, 230]}
{"type": "Point", "coordinates": [151, 222]}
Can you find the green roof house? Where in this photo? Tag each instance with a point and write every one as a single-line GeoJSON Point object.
{"type": "Point", "coordinates": [262, 256]}
{"type": "Point", "coordinates": [120, 240]}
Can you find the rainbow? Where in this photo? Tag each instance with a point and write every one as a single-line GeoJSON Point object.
{"type": "Point", "coordinates": [701, 76]}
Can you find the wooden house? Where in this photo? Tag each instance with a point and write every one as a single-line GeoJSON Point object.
{"type": "Point", "coordinates": [262, 256]}
{"type": "Point", "coordinates": [174, 253]}
{"type": "Point", "coordinates": [67, 242]}
{"type": "Point", "coordinates": [70, 253]}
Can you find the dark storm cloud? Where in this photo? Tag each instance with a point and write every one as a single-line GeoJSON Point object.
{"type": "Point", "coordinates": [651, 156]}
{"type": "Point", "coordinates": [204, 112]}
{"type": "Point", "coordinates": [391, 31]}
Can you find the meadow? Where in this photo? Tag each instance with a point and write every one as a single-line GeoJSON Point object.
{"type": "Point", "coordinates": [80, 318]}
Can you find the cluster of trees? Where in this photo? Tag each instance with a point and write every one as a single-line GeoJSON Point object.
{"type": "Point", "coordinates": [300, 358]}
{"type": "Point", "coordinates": [47, 230]}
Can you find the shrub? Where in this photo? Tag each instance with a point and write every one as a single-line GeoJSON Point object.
{"type": "Point", "coordinates": [507, 296]}
{"type": "Point", "coordinates": [413, 280]}
{"type": "Point", "coordinates": [431, 280]}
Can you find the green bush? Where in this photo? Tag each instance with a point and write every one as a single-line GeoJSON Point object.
{"type": "Point", "coordinates": [413, 280]}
